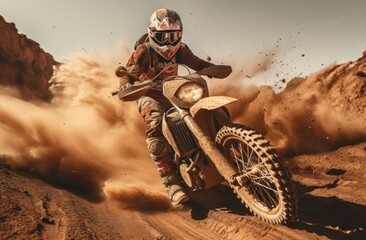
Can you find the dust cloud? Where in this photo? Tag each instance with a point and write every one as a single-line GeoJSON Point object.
{"type": "Point", "coordinates": [84, 137]}
{"type": "Point", "coordinates": [139, 198]}
{"type": "Point", "coordinates": [318, 113]}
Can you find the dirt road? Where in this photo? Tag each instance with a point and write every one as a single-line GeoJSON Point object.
{"type": "Point", "coordinates": [332, 206]}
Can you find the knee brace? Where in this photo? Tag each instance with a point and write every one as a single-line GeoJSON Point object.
{"type": "Point", "coordinates": [158, 147]}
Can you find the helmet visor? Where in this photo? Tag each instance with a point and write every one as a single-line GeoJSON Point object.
{"type": "Point", "coordinates": [166, 37]}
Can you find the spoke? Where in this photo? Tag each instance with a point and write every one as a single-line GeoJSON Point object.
{"type": "Point", "coordinates": [256, 192]}
{"type": "Point", "coordinates": [268, 182]}
{"type": "Point", "coordinates": [242, 156]}
{"type": "Point", "coordinates": [239, 162]}
{"type": "Point", "coordinates": [270, 196]}
{"type": "Point", "coordinates": [250, 169]}
{"type": "Point", "coordinates": [251, 154]}
{"type": "Point", "coordinates": [269, 177]}
{"type": "Point", "coordinates": [236, 151]}
{"type": "Point", "coordinates": [268, 201]}
{"type": "Point", "coordinates": [247, 152]}
{"type": "Point", "coordinates": [264, 199]}
{"type": "Point", "coordinates": [259, 184]}
{"type": "Point", "coordinates": [273, 201]}
{"type": "Point", "coordinates": [236, 159]}
{"type": "Point", "coordinates": [263, 167]}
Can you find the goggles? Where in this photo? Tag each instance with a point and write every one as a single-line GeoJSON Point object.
{"type": "Point", "coordinates": [171, 37]}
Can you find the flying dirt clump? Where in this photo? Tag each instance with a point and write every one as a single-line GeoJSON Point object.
{"type": "Point", "coordinates": [321, 112]}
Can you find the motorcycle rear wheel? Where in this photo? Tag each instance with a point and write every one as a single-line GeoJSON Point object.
{"type": "Point", "coordinates": [264, 185]}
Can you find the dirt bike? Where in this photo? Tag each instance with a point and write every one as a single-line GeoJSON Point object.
{"type": "Point", "coordinates": [208, 148]}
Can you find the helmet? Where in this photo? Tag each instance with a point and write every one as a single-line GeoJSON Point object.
{"type": "Point", "coordinates": [165, 32]}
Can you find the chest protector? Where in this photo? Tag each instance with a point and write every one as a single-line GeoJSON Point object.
{"type": "Point", "coordinates": [157, 64]}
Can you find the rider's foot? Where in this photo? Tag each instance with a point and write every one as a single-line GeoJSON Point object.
{"type": "Point", "coordinates": [174, 189]}
{"type": "Point", "coordinates": [177, 195]}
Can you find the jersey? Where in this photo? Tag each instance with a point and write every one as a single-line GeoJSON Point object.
{"type": "Point", "coordinates": [146, 63]}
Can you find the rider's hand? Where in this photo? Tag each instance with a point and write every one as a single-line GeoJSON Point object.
{"type": "Point", "coordinates": [119, 71]}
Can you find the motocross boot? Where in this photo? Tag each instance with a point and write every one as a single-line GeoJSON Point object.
{"type": "Point", "coordinates": [171, 182]}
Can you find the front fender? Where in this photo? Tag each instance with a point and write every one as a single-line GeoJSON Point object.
{"type": "Point", "coordinates": [211, 103]}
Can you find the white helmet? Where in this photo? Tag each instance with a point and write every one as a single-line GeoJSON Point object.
{"type": "Point", "coordinates": [165, 32]}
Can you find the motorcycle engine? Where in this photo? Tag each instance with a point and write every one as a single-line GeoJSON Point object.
{"type": "Point", "coordinates": [193, 178]}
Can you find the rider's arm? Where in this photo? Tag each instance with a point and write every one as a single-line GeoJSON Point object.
{"type": "Point", "coordinates": [137, 64]}
{"type": "Point", "coordinates": [186, 57]}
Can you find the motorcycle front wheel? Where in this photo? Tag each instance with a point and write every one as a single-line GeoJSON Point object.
{"type": "Point", "coordinates": [263, 184]}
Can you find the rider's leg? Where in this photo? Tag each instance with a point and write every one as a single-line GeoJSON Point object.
{"type": "Point", "coordinates": [152, 111]}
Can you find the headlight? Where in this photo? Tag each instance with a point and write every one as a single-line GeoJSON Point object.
{"type": "Point", "coordinates": [190, 92]}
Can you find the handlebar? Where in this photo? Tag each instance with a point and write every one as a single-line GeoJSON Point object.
{"type": "Point", "coordinates": [217, 71]}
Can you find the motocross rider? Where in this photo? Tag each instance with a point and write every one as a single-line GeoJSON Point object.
{"type": "Point", "coordinates": [161, 48]}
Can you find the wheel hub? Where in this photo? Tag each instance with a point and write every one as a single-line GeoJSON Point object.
{"type": "Point", "coordinates": [242, 180]}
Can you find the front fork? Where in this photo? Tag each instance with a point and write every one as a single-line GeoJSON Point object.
{"type": "Point", "coordinates": [222, 164]}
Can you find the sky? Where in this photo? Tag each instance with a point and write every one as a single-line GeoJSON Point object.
{"type": "Point", "coordinates": [303, 35]}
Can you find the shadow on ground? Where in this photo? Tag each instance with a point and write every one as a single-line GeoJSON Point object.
{"type": "Point", "coordinates": [326, 216]}
{"type": "Point", "coordinates": [220, 198]}
{"type": "Point", "coordinates": [330, 216]}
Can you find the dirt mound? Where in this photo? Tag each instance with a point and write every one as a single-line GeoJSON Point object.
{"type": "Point", "coordinates": [24, 64]}
{"type": "Point", "coordinates": [321, 112]}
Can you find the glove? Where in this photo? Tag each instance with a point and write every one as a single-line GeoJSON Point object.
{"type": "Point", "coordinates": [119, 72]}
